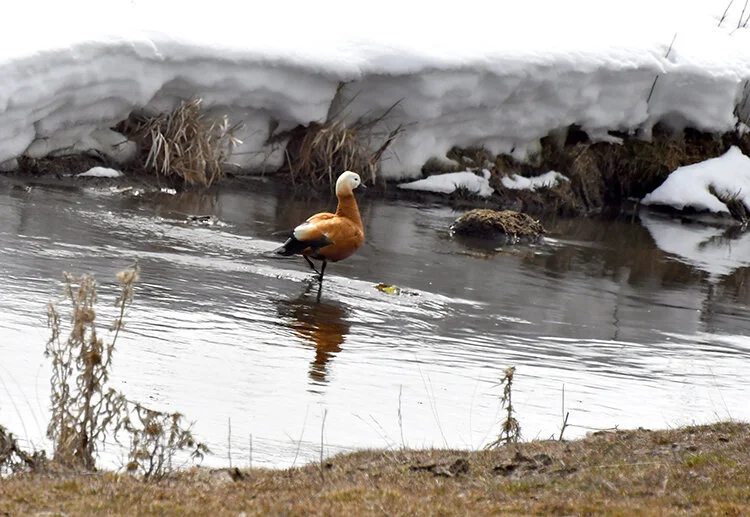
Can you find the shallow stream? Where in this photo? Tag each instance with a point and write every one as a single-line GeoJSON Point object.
{"type": "Point", "coordinates": [619, 324]}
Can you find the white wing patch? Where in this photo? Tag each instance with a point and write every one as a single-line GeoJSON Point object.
{"type": "Point", "coordinates": [307, 231]}
{"type": "Point", "coordinates": [302, 230]}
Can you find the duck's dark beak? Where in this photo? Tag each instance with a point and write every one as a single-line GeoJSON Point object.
{"type": "Point", "coordinates": [363, 185]}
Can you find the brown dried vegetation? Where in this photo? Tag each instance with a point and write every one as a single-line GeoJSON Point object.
{"type": "Point", "coordinates": [85, 411]}
{"type": "Point", "coordinates": [317, 153]}
{"type": "Point", "coordinates": [701, 470]}
{"type": "Point", "coordinates": [602, 175]}
{"type": "Point", "coordinates": [183, 144]}
{"type": "Point", "coordinates": [483, 222]}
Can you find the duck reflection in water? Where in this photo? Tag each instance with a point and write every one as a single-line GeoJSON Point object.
{"type": "Point", "coordinates": [322, 325]}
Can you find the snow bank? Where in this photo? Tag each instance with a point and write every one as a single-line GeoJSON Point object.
{"type": "Point", "coordinates": [548, 179]}
{"type": "Point", "coordinates": [537, 66]}
{"type": "Point", "coordinates": [451, 181]}
{"type": "Point", "coordinates": [688, 186]}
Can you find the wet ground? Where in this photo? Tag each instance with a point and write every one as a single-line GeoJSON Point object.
{"type": "Point", "coordinates": [619, 323]}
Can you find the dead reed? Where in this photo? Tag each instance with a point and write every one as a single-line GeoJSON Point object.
{"type": "Point", "coordinates": [318, 152]}
{"type": "Point", "coordinates": [184, 143]}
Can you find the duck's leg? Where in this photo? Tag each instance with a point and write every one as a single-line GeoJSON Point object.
{"type": "Point", "coordinates": [323, 270]}
{"type": "Point", "coordinates": [320, 278]}
{"type": "Point", "coordinates": [313, 266]}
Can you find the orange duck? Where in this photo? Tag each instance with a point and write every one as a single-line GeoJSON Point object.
{"type": "Point", "coordinates": [329, 237]}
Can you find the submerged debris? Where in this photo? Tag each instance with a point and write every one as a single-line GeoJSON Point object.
{"type": "Point", "coordinates": [483, 222]}
{"type": "Point", "coordinates": [204, 220]}
{"type": "Point", "coordinates": [388, 289]}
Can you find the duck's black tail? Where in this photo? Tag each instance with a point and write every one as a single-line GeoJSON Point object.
{"type": "Point", "coordinates": [291, 247]}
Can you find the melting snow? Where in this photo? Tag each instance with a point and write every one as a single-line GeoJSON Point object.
{"type": "Point", "coordinates": [545, 65]}
{"type": "Point", "coordinates": [100, 172]}
{"type": "Point", "coordinates": [548, 179]}
{"type": "Point", "coordinates": [687, 186]}
{"type": "Point", "coordinates": [450, 182]}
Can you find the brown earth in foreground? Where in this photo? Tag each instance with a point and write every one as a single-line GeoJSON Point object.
{"type": "Point", "coordinates": [701, 470]}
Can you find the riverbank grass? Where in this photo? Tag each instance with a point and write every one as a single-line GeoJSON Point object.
{"type": "Point", "coordinates": [696, 470]}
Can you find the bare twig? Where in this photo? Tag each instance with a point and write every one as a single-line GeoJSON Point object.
{"type": "Point", "coordinates": [322, 436]}
{"type": "Point", "coordinates": [229, 441]}
{"type": "Point", "coordinates": [742, 14]}
{"type": "Point", "coordinates": [653, 85]}
{"type": "Point", "coordinates": [723, 16]}
{"type": "Point", "coordinates": [565, 415]}
{"type": "Point", "coordinates": [400, 417]}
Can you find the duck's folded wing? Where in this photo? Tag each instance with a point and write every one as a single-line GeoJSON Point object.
{"type": "Point", "coordinates": [338, 230]}
{"type": "Point", "coordinates": [313, 234]}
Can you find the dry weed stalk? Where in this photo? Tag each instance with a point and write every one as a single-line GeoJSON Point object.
{"type": "Point", "coordinates": [186, 144]}
{"type": "Point", "coordinates": [82, 408]}
{"type": "Point", "coordinates": [510, 431]}
{"type": "Point", "coordinates": [84, 411]}
{"type": "Point", "coordinates": [155, 437]}
{"type": "Point", "coordinates": [13, 459]}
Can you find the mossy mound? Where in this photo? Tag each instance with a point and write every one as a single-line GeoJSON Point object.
{"type": "Point", "coordinates": [487, 223]}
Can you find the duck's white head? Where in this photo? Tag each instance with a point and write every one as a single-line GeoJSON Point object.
{"type": "Point", "coordinates": [347, 182]}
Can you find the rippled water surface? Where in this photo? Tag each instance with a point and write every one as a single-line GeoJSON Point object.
{"type": "Point", "coordinates": [643, 323]}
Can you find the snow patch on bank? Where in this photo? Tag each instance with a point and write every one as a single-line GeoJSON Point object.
{"type": "Point", "coordinates": [100, 172]}
{"type": "Point", "coordinates": [546, 180]}
{"type": "Point", "coordinates": [688, 186]}
{"type": "Point", "coordinates": [544, 66]}
{"type": "Point", "coordinates": [450, 182]}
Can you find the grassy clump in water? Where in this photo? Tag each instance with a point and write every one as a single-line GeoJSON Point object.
{"type": "Point", "coordinates": [483, 222]}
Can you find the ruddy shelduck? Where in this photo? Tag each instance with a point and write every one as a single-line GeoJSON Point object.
{"type": "Point", "coordinates": [330, 237]}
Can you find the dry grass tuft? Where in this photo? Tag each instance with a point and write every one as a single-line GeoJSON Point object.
{"type": "Point", "coordinates": [736, 206]}
{"type": "Point", "coordinates": [184, 144]}
{"type": "Point", "coordinates": [317, 153]}
{"type": "Point", "coordinates": [482, 222]}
